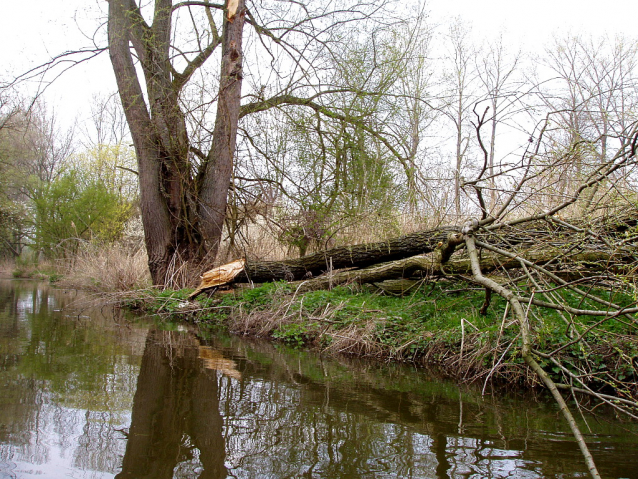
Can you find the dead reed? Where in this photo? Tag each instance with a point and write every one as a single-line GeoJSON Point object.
{"type": "Point", "coordinates": [106, 268]}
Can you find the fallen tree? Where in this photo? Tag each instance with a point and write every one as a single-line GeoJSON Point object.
{"type": "Point", "coordinates": [575, 249]}
{"type": "Point", "coordinates": [357, 256]}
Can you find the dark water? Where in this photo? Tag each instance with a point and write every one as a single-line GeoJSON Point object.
{"type": "Point", "coordinates": [86, 393]}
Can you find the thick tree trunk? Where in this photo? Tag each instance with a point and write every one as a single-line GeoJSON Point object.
{"type": "Point", "coordinates": [219, 164]}
{"type": "Point", "coordinates": [358, 256]}
{"type": "Point", "coordinates": [182, 215]}
{"type": "Point", "coordinates": [531, 239]}
{"type": "Point", "coordinates": [155, 214]}
{"type": "Point", "coordinates": [431, 266]}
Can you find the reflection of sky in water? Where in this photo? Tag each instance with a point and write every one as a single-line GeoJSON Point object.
{"type": "Point", "coordinates": [24, 306]}
{"type": "Point", "coordinates": [66, 441]}
{"type": "Point", "coordinates": [32, 303]}
{"type": "Point", "coordinates": [54, 420]}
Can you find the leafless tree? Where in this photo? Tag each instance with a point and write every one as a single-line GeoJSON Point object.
{"type": "Point", "coordinates": [497, 71]}
{"type": "Point", "coordinates": [594, 95]}
{"type": "Point", "coordinates": [460, 77]}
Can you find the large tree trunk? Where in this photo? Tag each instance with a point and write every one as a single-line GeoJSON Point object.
{"type": "Point", "coordinates": [155, 214]}
{"type": "Point", "coordinates": [428, 253]}
{"type": "Point", "coordinates": [530, 238]}
{"type": "Point", "coordinates": [433, 265]}
{"type": "Point", "coordinates": [358, 256]}
{"type": "Point", "coordinates": [219, 163]}
{"type": "Point", "coordinates": [182, 214]}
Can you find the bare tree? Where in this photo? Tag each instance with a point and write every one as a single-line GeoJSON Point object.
{"type": "Point", "coordinates": [496, 71]}
{"type": "Point", "coordinates": [459, 97]}
{"type": "Point", "coordinates": [594, 96]}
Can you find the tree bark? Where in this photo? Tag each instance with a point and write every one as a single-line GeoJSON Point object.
{"type": "Point", "coordinates": [417, 268]}
{"type": "Point", "coordinates": [182, 210]}
{"type": "Point", "coordinates": [358, 256]}
{"type": "Point", "coordinates": [539, 241]}
{"type": "Point", "coordinates": [155, 214]}
{"type": "Point", "coordinates": [219, 163]}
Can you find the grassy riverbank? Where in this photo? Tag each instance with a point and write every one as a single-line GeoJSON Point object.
{"type": "Point", "coordinates": [439, 323]}
{"type": "Point", "coordinates": [436, 323]}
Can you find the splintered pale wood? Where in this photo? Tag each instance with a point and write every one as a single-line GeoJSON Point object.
{"type": "Point", "coordinates": [219, 276]}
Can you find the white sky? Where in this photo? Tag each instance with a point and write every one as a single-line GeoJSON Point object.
{"type": "Point", "coordinates": [533, 22]}
{"type": "Point", "coordinates": [32, 31]}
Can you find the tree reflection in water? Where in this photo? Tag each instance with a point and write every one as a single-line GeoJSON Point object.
{"type": "Point", "coordinates": [175, 419]}
{"type": "Point", "coordinates": [208, 410]}
{"type": "Point", "coordinates": [64, 384]}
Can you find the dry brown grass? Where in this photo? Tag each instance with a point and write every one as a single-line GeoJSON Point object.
{"type": "Point", "coordinates": [109, 269]}
{"type": "Point", "coordinates": [6, 267]}
{"type": "Point", "coordinates": [356, 340]}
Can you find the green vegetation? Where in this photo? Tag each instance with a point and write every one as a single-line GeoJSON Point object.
{"type": "Point", "coordinates": [69, 211]}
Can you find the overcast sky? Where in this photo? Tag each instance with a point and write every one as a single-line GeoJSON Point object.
{"type": "Point", "coordinates": [533, 22]}
{"type": "Point", "coordinates": [34, 30]}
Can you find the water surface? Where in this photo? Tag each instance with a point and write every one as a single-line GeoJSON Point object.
{"type": "Point", "coordinates": [86, 392]}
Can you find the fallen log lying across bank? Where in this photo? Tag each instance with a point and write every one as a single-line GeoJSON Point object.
{"type": "Point", "coordinates": [429, 266]}
{"type": "Point", "coordinates": [429, 254]}
{"type": "Point", "coordinates": [358, 256]}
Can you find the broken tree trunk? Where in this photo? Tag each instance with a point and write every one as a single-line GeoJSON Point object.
{"type": "Point", "coordinates": [531, 234]}
{"type": "Point", "coordinates": [219, 276]}
{"type": "Point", "coordinates": [428, 253]}
{"type": "Point", "coordinates": [358, 256]}
{"type": "Point", "coordinates": [431, 266]}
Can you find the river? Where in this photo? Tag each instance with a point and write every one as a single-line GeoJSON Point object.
{"type": "Point", "coordinates": [92, 392]}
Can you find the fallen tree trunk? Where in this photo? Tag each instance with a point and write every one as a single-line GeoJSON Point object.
{"type": "Point", "coordinates": [556, 232]}
{"type": "Point", "coordinates": [430, 266]}
{"type": "Point", "coordinates": [425, 253]}
{"type": "Point", "coordinates": [359, 256]}
{"type": "Point", "coordinates": [437, 264]}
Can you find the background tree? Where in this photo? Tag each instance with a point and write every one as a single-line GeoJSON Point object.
{"type": "Point", "coordinates": [73, 209]}
{"type": "Point", "coordinates": [459, 98]}
{"type": "Point", "coordinates": [593, 93]}
{"type": "Point", "coordinates": [332, 172]}
{"type": "Point", "coordinates": [497, 71]}
{"type": "Point", "coordinates": [11, 214]}
{"type": "Point", "coordinates": [32, 148]}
